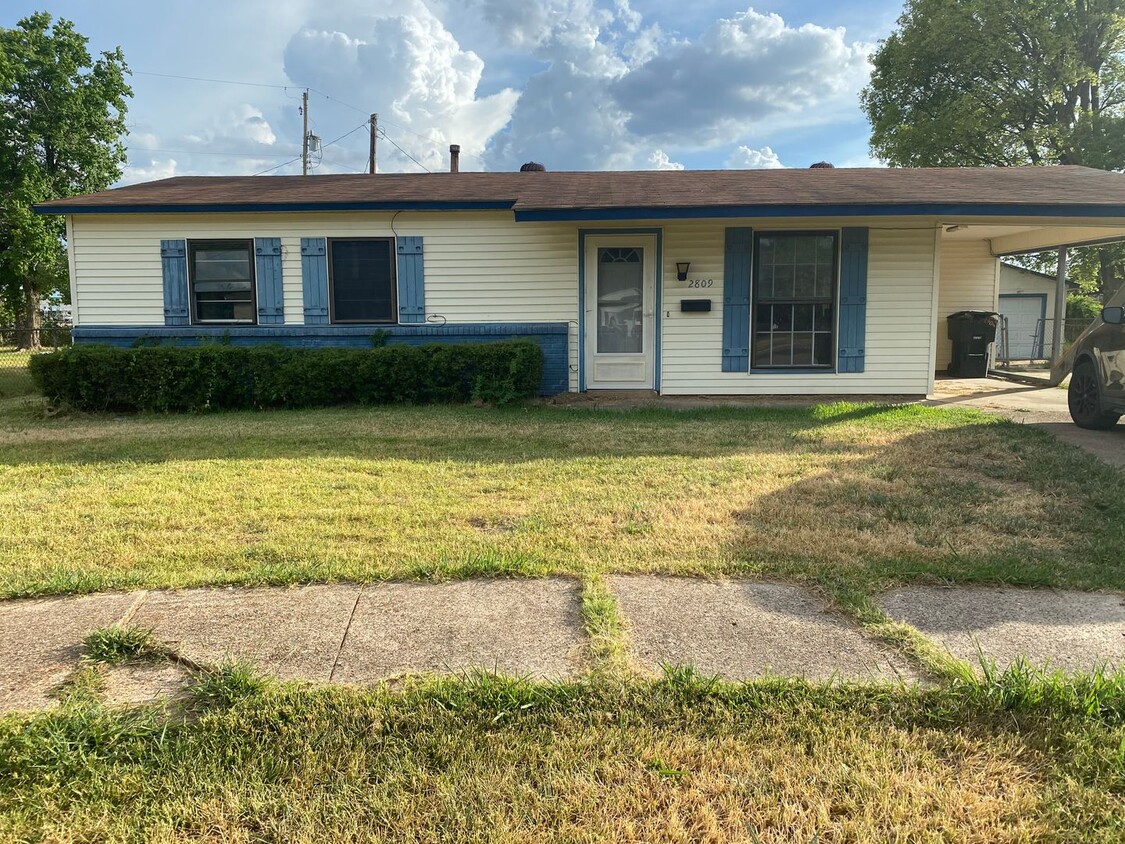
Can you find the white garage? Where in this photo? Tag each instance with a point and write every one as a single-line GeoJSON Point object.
{"type": "Point", "coordinates": [1027, 302]}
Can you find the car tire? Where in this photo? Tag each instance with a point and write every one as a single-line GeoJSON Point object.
{"type": "Point", "coordinates": [1084, 397]}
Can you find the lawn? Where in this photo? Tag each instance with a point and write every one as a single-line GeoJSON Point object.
{"type": "Point", "coordinates": [852, 497]}
{"type": "Point", "coordinates": [1009, 758]}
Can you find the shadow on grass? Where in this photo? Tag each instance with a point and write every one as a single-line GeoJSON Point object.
{"type": "Point", "coordinates": [447, 433]}
{"type": "Point", "coordinates": [955, 505]}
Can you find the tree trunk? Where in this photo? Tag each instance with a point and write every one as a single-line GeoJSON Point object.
{"type": "Point", "coordinates": [30, 322]}
{"type": "Point", "coordinates": [1110, 276]}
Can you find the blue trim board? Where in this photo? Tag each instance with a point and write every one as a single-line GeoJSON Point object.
{"type": "Point", "coordinates": [248, 207]}
{"type": "Point", "coordinates": [552, 337]}
{"type": "Point", "coordinates": [657, 304]}
{"type": "Point", "coordinates": [767, 211]}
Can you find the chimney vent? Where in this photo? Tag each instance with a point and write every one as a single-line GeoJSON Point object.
{"type": "Point", "coordinates": [533, 167]}
{"type": "Point", "coordinates": [823, 165]}
{"type": "Point", "coordinates": [454, 158]}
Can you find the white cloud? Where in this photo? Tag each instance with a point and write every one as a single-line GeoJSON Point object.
{"type": "Point", "coordinates": [745, 74]}
{"type": "Point", "coordinates": [147, 169]}
{"type": "Point", "coordinates": [659, 161]}
{"type": "Point", "coordinates": [411, 70]}
{"type": "Point", "coordinates": [612, 86]}
{"type": "Point", "coordinates": [745, 158]}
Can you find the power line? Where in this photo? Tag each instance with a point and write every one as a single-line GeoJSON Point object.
{"type": "Point", "coordinates": [404, 152]}
{"type": "Point", "coordinates": [339, 102]}
{"type": "Point", "coordinates": [278, 167]}
{"type": "Point", "coordinates": [220, 81]}
{"type": "Point", "coordinates": [208, 152]}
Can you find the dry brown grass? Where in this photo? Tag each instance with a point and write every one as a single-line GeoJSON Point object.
{"type": "Point", "coordinates": [501, 761]}
{"type": "Point", "coordinates": [843, 492]}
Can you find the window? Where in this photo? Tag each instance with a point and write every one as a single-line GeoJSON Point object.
{"type": "Point", "coordinates": [361, 279]}
{"type": "Point", "coordinates": [794, 300]}
{"type": "Point", "coordinates": [222, 281]}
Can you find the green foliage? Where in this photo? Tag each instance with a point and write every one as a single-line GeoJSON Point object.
{"type": "Point", "coordinates": [61, 132]}
{"type": "Point", "coordinates": [115, 643]}
{"type": "Point", "coordinates": [1081, 306]}
{"type": "Point", "coordinates": [1006, 82]}
{"type": "Point", "coordinates": [218, 376]}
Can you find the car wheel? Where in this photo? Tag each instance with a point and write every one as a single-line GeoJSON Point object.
{"type": "Point", "coordinates": [1084, 396]}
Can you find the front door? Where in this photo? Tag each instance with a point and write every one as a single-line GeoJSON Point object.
{"type": "Point", "coordinates": [619, 300]}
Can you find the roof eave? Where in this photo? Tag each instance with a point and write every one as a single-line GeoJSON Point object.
{"type": "Point", "coordinates": [251, 207]}
{"type": "Point", "coordinates": [529, 215]}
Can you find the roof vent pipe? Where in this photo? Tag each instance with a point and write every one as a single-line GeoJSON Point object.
{"type": "Point", "coordinates": [823, 165]}
{"type": "Point", "coordinates": [454, 158]}
{"type": "Point", "coordinates": [533, 167]}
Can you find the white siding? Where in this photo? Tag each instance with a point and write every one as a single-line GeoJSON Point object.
{"type": "Point", "coordinates": [969, 281]}
{"type": "Point", "coordinates": [484, 267]}
{"type": "Point", "coordinates": [899, 311]}
{"type": "Point", "coordinates": [480, 267]}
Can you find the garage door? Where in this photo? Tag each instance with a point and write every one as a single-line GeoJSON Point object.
{"type": "Point", "coordinates": [1025, 313]}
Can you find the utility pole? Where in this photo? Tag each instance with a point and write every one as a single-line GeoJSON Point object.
{"type": "Point", "coordinates": [371, 153]}
{"type": "Point", "coordinates": [305, 133]}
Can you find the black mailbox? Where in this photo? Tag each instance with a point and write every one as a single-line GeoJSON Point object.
{"type": "Point", "coordinates": [695, 306]}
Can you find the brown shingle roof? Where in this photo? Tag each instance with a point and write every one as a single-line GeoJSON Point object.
{"type": "Point", "coordinates": [572, 191]}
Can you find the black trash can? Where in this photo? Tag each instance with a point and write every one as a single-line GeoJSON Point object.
{"type": "Point", "coordinates": [971, 332]}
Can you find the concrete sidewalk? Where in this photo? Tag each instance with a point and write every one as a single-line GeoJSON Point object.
{"type": "Point", "coordinates": [348, 633]}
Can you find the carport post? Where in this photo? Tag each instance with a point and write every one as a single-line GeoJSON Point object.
{"type": "Point", "coordinates": [1060, 308]}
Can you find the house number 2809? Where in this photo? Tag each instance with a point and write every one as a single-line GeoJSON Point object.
{"type": "Point", "coordinates": [700, 282]}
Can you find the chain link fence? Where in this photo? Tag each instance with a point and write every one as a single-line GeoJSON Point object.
{"type": "Point", "coordinates": [17, 345]}
{"type": "Point", "coordinates": [1031, 344]}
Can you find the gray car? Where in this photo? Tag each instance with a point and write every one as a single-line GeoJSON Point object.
{"type": "Point", "coordinates": [1097, 384]}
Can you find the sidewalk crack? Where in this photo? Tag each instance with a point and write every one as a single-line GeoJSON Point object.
{"type": "Point", "coordinates": [133, 608]}
{"type": "Point", "coordinates": [344, 638]}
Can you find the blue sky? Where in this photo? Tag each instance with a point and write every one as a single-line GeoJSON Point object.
{"type": "Point", "coordinates": [575, 84]}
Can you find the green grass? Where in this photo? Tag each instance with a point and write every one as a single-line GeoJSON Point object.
{"type": "Point", "coordinates": [116, 644]}
{"type": "Point", "coordinates": [853, 497]}
{"type": "Point", "coordinates": [1016, 756]}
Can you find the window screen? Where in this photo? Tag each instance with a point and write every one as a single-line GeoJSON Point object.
{"type": "Point", "coordinates": [222, 281]}
{"type": "Point", "coordinates": [362, 279]}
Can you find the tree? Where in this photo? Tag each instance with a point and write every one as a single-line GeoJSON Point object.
{"type": "Point", "coordinates": [1003, 83]}
{"type": "Point", "coordinates": [62, 124]}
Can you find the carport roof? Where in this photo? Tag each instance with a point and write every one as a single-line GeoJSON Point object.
{"type": "Point", "coordinates": [1022, 191]}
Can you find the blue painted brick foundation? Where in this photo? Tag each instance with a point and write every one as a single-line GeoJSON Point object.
{"type": "Point", "coordinates": [551, 337]}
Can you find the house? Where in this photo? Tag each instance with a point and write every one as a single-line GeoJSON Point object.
{"type": "Point", "coordinates": [1027, 303]}
{"type": "Point", "coordinates": [820, 281]}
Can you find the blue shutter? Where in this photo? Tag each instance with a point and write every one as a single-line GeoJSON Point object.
{"type": "Point", "coordinates": [411, 280]}
{"type": "Point", "coordinates": [736, 300]}
{"type": "Point", "coordinates": [314, 279]}
{"type": "Point", "coordinates": [853, 300]}
{"type": "Point", "coordinates": [173, 263]}
{"type": "Point", "coordinates": [267, 273]}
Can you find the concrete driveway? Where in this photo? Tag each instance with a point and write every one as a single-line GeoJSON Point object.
{"type": "Point", "coordinates": [1041, 406]}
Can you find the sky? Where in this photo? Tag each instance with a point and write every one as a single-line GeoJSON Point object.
{"type": "Point", "coordinates": [573, 84]}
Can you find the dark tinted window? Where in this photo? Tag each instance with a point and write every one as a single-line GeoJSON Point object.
{"type": "Point", "coordinates": [222, 281]}
{"type": "Point", "coordinates": [363, 281]}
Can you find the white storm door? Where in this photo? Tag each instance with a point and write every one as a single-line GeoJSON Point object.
{"type": "Point", "coordinates": [620, 311]}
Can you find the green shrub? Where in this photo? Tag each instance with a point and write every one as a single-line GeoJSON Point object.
{"type": "Point", "coordinates": [168, 379]}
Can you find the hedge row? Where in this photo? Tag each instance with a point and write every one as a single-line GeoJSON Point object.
{"type": "Point", "coordinates": [221, 377]}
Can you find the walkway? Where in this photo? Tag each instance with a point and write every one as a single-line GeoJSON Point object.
{"type": "Point", "coordinates": [533, 628]}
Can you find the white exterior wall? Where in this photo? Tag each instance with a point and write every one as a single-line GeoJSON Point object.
{"type": "Point", "coordinates": [1015, 280]}
{"type": "Point", "coordinates": [484, 267]}
{"type": "Point", "coordinates": [480, 267]}
{"type": "Point", "coordinates": [970, 280]}
{"type": "Point", "coordinates": [900, 279]}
